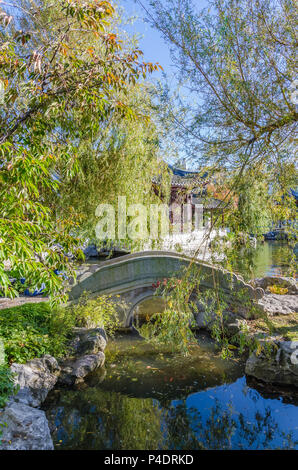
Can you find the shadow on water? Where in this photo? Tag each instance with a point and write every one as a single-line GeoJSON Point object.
{"type": "Point", "coordinates": [151, 399]}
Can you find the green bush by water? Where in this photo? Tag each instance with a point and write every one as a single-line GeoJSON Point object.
{"type": "Point", "coordinates": [32, 330]}
{"type": "Point", "coordinates": [100, 311]}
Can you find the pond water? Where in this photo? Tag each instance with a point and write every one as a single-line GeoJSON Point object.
{"type": "Point", "coordinates": [147, 398]}
{"type": "Point", "coordinates": [151, 399]}
{"type": "Point", "coordinates": [271, 258]}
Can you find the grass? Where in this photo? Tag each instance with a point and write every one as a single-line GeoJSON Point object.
{"type": "Point", "coordinates": [283, 325]}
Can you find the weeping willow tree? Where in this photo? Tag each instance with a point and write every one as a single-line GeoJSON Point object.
{"type": "Point", "coordinates": [236, 62]}
{"type": "Point", "coordinates": [119, 158]}
{"type": "Point", "coordinates": [104, 155]}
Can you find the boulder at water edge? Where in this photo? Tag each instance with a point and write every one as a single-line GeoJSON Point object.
{"type": "Point", "coordinates": [274, 304]}
{"type": "Point", "coordinates": [24, 428]}
{"type": "Point", "coordinates": [74, 371]}
{"type": "Point", "coordinates": [89, 341]}
{"type": "Point", "coordinates": [280, 366]}
{"type": "Point", "coordinates": [35, 379]}
{"type": "Point", "coordinates": [284, 282]}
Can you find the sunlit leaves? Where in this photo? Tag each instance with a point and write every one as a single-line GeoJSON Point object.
{"type": "Point", "coordinates": [65, 74]}
{"type": "Point", "coordinates": [238, 61]}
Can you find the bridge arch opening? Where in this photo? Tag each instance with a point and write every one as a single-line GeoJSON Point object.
{"type": "Point", "coordinates": [143, 310]}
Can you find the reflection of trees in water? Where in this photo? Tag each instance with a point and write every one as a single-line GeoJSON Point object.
{"type": "Point", "coordinates": [94, 419]}
{"type": "Point", "coordinates": [106, 420]}
{"type": "Point", "coordinates": [262, 432]}
{"type": "Point", "coordinates": [186, 429]}
{"type": "Point", "coordinates": [256, 262]}
{"type": "Point", "coordinates": [223, 429]}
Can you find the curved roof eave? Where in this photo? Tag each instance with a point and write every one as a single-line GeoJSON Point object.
{"type": "Point", "coordinates": [185, 173]}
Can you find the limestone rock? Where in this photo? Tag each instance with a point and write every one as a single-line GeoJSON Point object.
{"type": "Point", "coordinates": [35, 379]}
{"type": "Point", "coordinates": [74, 372]}
{"type": "Point", "coordinates": [89, 341]}
{"type": "Point", "coordinates": [205, 316]}
{"type": "Point", "coordinates": [275, 304]}
{"type": "Point", "coordinates": [87, 364]}
{"type": "Point", "coordinates": [280, 368]}
{"type": "Point", "coordinates": [25, 428]}
{"type": "Point", "coordinates": [285, 282]}
{"type": "Point", "coordinates": [235, 327]}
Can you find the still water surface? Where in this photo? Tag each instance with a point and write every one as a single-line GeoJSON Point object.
{"type": "Point", "coordinates": [148, 399]}
{"type": "Point", "coordinates": [271, 258]}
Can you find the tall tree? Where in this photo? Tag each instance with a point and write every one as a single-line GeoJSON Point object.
{"type": "Point", "coordinates": [119, 158]}
{"type": "Point", "coordinates": [62, 73]}
{"type": "Point", "coordinates": [238, 59]}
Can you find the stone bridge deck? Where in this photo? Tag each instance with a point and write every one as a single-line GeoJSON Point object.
{"type": "Point", "coordinates": [131, 276]}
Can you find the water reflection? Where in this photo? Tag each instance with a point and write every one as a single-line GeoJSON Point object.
{"type": "Point", "coordinates": [227, 417]}
{"type": "Point", "coordinates": [94, 419]}
{"type": "Point", "coordinates": [144, 402]}
{"type": "Point", "coordinates": [237, 417]}
{"type": "Point", "coordinates": [271, 258]}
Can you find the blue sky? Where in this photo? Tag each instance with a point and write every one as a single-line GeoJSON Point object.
{"type": "Point", "coordinates": [151, 43]}
{"type": "Point", "coordinates": [155, 49]}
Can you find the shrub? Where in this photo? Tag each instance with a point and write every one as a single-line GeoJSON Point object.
{"type": "Point", "coordinates": [278, 290]}
{"type": "Point", "coordinates": [35, 329]}
{"type": "Point", "coordinates": [32, 330]}
{"type": "Point", "coordinates": [100, 311]}
{"type": "Point", "coordinates": [7, 387]}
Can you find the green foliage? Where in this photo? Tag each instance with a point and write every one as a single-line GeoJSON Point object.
{"type": "Point", "coordinates": [119, 158]}
{"type": "Point", "coordinates": [284, 177]}
{"type": "Point", "coordinates": [31, 245]}
{"type": "Point", "coordinates": [238, 59]}
{"type": "Point", "coordinates": [173, 326]}
{"type": "Point", "coordinates": [283, 325]}
{"type": "Point", "coordinates": [101, 311]}
{"type": "Point", "coordinates": [188, 297]}
{"type": "Point", "coordinates": [7, 387]}
{"type": "Point", "coordinates": [32, 330]}
{"type": "Point", "coordinates": [65, 74]}
{"type": "Point", "coordinates": [253, 212]}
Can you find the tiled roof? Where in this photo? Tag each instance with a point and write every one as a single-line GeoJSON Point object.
{"type": "Point", "coordinates": [186, 174]}
{"type": "Point", "coordinates": [184, 179]}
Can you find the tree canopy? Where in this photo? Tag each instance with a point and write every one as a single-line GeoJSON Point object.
{"type": "Point", "coordinates": [237, 113]}
{"type": "Point", "coordinates": [64, 74]}
{"type": "Point", "coordinates": [237, 60]}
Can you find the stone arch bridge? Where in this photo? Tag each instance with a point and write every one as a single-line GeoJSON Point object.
{"type": "Point", "coordinates": [131, 277]}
